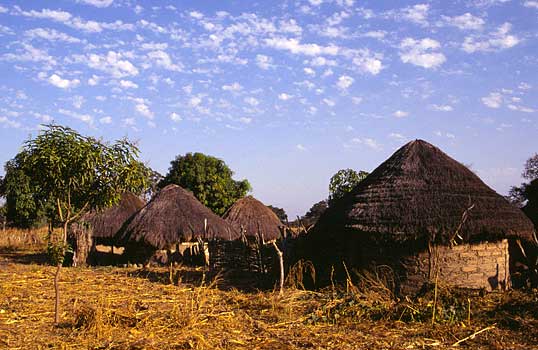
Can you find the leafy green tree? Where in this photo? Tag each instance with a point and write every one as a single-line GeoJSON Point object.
{"type": "Point", "coordinates": [76, 174]}
{"type": "Point", "coordinates": [21, 208]}
{"type": "Point", "coordinates": [209, 179]}
{"type": "Point", "coordinates": [343, 182]}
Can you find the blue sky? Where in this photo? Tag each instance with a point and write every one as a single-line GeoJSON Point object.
{"type": "Point", "coordinates": [287, 93]}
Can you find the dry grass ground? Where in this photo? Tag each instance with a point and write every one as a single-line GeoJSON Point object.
{"type": "Point", "coordinates": [130, 308]}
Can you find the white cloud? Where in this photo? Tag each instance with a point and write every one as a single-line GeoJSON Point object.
{"type": "Point", "coordinates": [417, 14]}
{"type": "Point", "coordinates": [421, 53]}
{"type": "Point", "coordinates": [465, 22]}
{"type": "Point", "coordinates": [329, 102]}
{"type": "Point", "coordinates": [442, 108]}
{"type": "Point", "coordinates": [521, 108]}
{"type": "Point", "coordinates": [105, 120]}
{"type": "Point", "coordinates": [294, 46]}
{"type": "Point", "coordinates": [376, 34]}
{"type": "Point", "coordinates": [57, 81]}
{"type": "Point", "coordinates": [9, 123]}
{"type": "Point", "coordinates": [154, 46]}
{"type": "Point", "coordinates": [85, 118]}
{"type": "Point", "coordinates": [175, 117]}
{"type": "Point", "coordinates": [315, 2]}
{"type": "Point", "coordinates": [93, 80]}
{"type": "Point", "coordinates": [366, 141]}
{"type": "Point", "coordinates": [300, 147]}
{"type": "Point", "coordinates": [290, 26]}
{"type": "Point", "coordinates": [127, 84]}
{"type": "Point", "coordinates": [400, 114]}
{"type": "Point", "coordinates": [112, 63]}
{"type": "Point", "coordinates": [524, 86]}
{"type": "Point", "coordinates": [3, 9]}
{"type": "Point", "coordinates": [32, 54]}
{"type": "Point", "coordinates": [251, 101]}
{"type": "Point", "coordinates": [397, 136]}
{"type": "Point", "coordinates": [493, 100]}
{"type": "Point", "coordinates": [57, 16]}
{"type": "Point", "coordinates": [245, 120]}
{"type": "Point", "coordinates": [309, 71]}
{"type": "Point", "coordinates": [368, 62]}
{"type": "Point", "coordinates": [78, 101]}
{"type": "Point", "coordinates": [50, 34]}
{"type": "Point", "coordinates": [264, 62]}
{"type": "Point", "coordinates": [195, 101]}
{"type": "Point", "coordinates": [322, 61]}
{"type": "Point", "coordinates": [356, 100]}
{"type": "Point", "coordinates": [97, 3]}
{"type": "Point", "coordinates": [531, 4]}
{"type": "Point", "coordinates": [163, 60]}
{"type": "Point", "coordinates": [235, 87]}
{"type": "Point", "coordinates": [284, 96]}
{"type": "Point", "coordinates": [144, 110]}
{"type": "Point", "coordinates": [498, 40]}
{"type": "Point", "coordinates": [344, 82]}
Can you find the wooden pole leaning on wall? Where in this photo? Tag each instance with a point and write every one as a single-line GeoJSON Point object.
{"type": "Point", "coordinates": [281, 261]}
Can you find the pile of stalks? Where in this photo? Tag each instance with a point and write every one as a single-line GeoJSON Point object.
{"type": "Point", "coordinates": [186, 308]}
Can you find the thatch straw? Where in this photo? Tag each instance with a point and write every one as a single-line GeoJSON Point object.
{"type": "Point", "coordinates": [254, 218]}
{"type": "Point", "coordinates": [106, 224]}
{"type": "Point", "coordinates": [175, 216]}
{"type": "Point", "coordinates": [419, 195]}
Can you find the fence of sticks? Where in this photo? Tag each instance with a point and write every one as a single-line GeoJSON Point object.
{"type": "Point", "coordinates": [252, 255]}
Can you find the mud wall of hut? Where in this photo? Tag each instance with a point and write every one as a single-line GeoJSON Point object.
{"type": "Point", "coordinates": [476, 266]}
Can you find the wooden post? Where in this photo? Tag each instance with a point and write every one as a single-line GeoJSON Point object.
{"type": "Point", "coordinates": [281, 260]}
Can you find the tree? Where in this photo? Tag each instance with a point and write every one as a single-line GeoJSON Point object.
{"type": "Point", "coordinates": [208, 178]}
{"type": "Point", "coordinates": [519, 195]}
{"type": "Point", "coordinates": [76, 174]}
{"type": "Point", "coordinates": [314, 213]}
{"type": "Point", "coordinates": [281, 213]}
{"type": "Point", "coordinates": [21, 208]}
{"type": "Point", "coordinates": [530, 171]}
{"type": "Point", "coordinates": [344, 181]}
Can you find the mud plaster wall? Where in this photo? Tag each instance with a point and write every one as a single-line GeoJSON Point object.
{"type": "Point", "coordinates": [476, 266]}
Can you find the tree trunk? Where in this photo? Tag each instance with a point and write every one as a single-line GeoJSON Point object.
{"type": "Point", "coordinates": [57, 278]}
{"type": "Point", "coordinates": [57, 293]}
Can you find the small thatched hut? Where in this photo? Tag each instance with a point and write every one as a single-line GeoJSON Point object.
{"type": "Point", "coordinates": [254, 218]}
{"type": "Point", "coordinates": [254, 252]}
{"type": "Point", "coordinates": [101, 227]}
{"type": "Point", "coordinates": [172, 217]}
{"type": "Point", "coordinates": [425, 216]}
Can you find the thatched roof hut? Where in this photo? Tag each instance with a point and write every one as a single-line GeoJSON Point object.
{"type": "Point", "coordinates": [174, 215]}
{"type": "Point", "coordinates": [418, 197]}
{"type": "Point", "coordinates": [101, 227]}
{"type": "Point", "coordinates": [254, 218]}
{"type": "Point", "coordinates": [106, 224]}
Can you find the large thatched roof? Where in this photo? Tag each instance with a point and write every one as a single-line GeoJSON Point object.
{"type": "Point", "coordinates": [105, 224]}
{"type": "Point", "coordinates": [174, 215]}
{"type": "Point", "coordinates": [254, 218]}
{"type": "Point", "coordinates": [420, 194]}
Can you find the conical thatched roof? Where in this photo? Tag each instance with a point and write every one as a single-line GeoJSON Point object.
{"type": "Point", "coordinates": [254, 218]}
{"type": "Point", "coordinates": [106, 224]}
{"type": "Point", "coordinates": [420, 194]}
{"type": "Point", "coordinates": [174, 215]}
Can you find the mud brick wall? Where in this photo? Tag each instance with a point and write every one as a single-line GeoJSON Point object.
{"type": "Point", "coordinates": [476, 266]}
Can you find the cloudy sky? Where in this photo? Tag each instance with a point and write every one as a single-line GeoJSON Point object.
{"type": "Point", "coordinates": [286, 93]}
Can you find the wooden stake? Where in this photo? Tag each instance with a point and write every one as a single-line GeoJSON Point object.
{"type": "Point", "coordinates": [281, 260]}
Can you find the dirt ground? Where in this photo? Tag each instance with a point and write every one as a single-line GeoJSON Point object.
{"type": "Point", "coordinates": [184, 308]}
